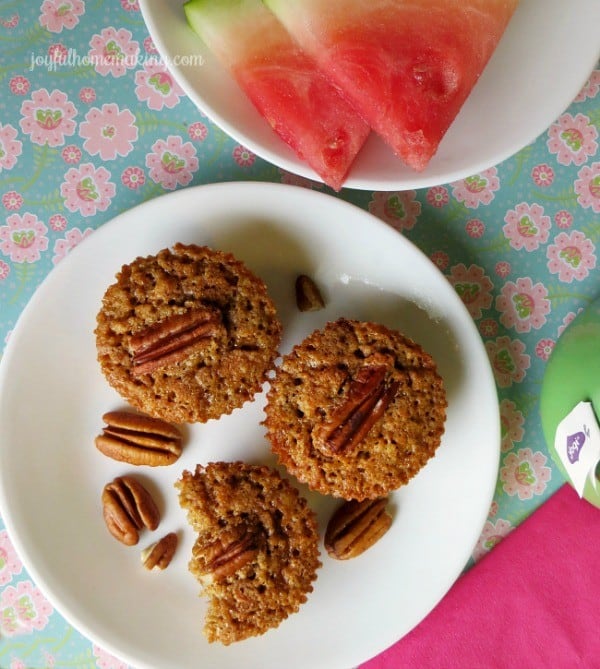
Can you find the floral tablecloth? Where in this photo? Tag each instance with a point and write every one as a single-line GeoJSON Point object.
{"type": "Point", "coordinates": [83, 139]}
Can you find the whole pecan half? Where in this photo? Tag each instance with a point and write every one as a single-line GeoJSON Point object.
{"type": "Point", "coordinates": [158, 555]}
{"type": "Point", "coordinates": [128, 507]}
{"type": "Point", "coordinates": [356, 526]}
{"type": "Point", "coordinates": [169, 341]}
{"type": "Point", "coordinates": [231, 551]}
{"type": "Point", "coordinates": [138, 439]}
{"type": "Point", "coordinates": [368, 396]}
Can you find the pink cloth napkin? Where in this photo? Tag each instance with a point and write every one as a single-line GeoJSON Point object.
{"type": "Point", "coordinates": [533, 601]}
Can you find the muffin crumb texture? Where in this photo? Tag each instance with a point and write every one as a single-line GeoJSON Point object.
{"type": "Point", "coordinates": [256, 554]}
{"type": "Point", "coordinates": [188, 334]}
{"type": "Point", "coordinates": [355, 410]}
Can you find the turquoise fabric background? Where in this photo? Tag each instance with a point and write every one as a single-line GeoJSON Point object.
{"type": "Point", "coordinates": [519, 242]}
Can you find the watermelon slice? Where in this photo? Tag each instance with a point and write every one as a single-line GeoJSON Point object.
{"type": "Point", "coordinates": [282, 82]}
{"type": "Point", "coordinates": [407, 66]}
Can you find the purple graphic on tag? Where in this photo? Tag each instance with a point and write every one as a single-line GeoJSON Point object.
{"type": "Point", "coordinates": [574, 445]}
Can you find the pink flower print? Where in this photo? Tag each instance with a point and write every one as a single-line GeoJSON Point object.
{"type": "Point", "coordinates": [12, 200]}
{"type": "Point", "coordinates": [542, 175]}
{"type": "Point", "coordinates": [508, 359]}
{"type": "Point", "coordinates": [571, 256]}
{"type": "Point", "coordinates": [49, 660]}
{"type": "Point", "coordinates": [133, 177]}
{"type": "Point", "coordinates": [440, 259]}
{"type": "Point", "coordinates": [10, 147]}
{"type": "Point", "coordinates": [491, 535]}
{"type": "Point", "coordinates": [58, 53]}
{"type": "Point", "coordinates": [48, 117]}
{"type": "Point", "coordinates": [198, 132]}
{"type": "Point", "coordinates": [87, 95]}
{"type": "Point", "coordinates": [130, 5]}
{"type": "Point", "coordinates": [105, 660]}
{"type": "Point", "coordinates": [296, 180]}
{"type": "Point", "coordinates": [243, 156]}
{"type": "Point", "coordinates": [23, 238]}
{"type": "Point", "coordinates": [156, 87]}
{"type": "Point", "coordinates": [591, 87]}
{"type": "Point", "coordinates": [524, 474]}
{"type": "Point", "coordinates": [150, 47]}
{"type": "Point", "coordinates": [438, 196]}
{"type": "Point", "coordinates": [477, 189]}
{"type": "Point", "coordinates": [4, 272]}
{"type": "Point", "coordinates": [568, 319]}
{"type": "Point", "coordinates": [475, 228]}
{"type": "Point", "coordinates": [57, 222]}
{"type": "Point", "coordinates": [473, 287]}
{"type": "Point", "coordinates": [87, 189]}
{"type": "Point", "coordinates": [12, 22]}
{"type": "Point", "coordinates": [16, 663]}
{"type": "Point", "coordinates": [572, 139]}
{"type": "Point", "coordinates": [563, 219]}
{"type": "Point", "coordinates": [544, 348]}
{"type": "Point", "coordinates": [587, 187]}
{"type": "Point", "coordinates": [400, 209]}
{"type": "Point", "coordinates": [511, 425]}
{"type": "Point", "coordinates": [114, 52]}
{"type": "Point", "coordinates": [488, 327]}
{"type": "Point", "coordinates": [493, 509]}
{"type": "Point", "coordinates": [523, 305]}
{"type": "Point", "coordinates": [59, 14]}
{"type": "Point", "coordinates": [19, 85]}
{"type": "Point", "coordinates": [172, 162]}
{"type": "Point", "coordinates": [10, 564]}
{"type": "Point", "coordinates": [526, 226]}
{"type": "Point", "coordinates": [503, 269]}
{"type": "Point", "coordinates": [73, 237]}
{"type": "Point", "coordinates": [23, 609]}
{"type": "Point", "coordinates": [108, 131]}
{"type": "Point", "coordinates": [71, 154]}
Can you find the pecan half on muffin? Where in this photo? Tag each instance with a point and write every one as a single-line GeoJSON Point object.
{"type": "Point", "coordinates": [188, 334]}
{"type": "Point", "coordinates": [355, 410]}
{"type": "Point", "coordinates": [256, 554]}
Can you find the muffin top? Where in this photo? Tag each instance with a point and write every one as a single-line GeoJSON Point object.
{"type": "Point", "coordinates": [188, 334]}
{"type": "Point", "coordinates": [355, 410]}
{"type": "Point", "coordinates": [256, 554]}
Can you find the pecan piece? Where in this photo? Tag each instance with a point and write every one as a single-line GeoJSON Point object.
{"type": "Point", "coordinates": [356, 526]}
{"type": "Point", "coordinates": [138, 439]}
{"type": "Point", "coordinates": [170, 340]}
{"type": "Point", "coordinates": [128, 507]}
{"type": "Point", "coordinates": [368, 396]}
{"type": "Point", "coordinates": [308, 295]}
{"type": "Point", "coordinates": [158, 555]}
{"type": "Point", "coordinates": [228, 553]}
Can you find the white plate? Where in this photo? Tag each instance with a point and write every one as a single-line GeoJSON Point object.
{"type": "Point", "coordinates": [541, 63]}
{"type": "Point", "coordinates": [52, 397]}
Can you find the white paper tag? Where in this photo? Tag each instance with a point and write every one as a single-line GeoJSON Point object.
{"type": "Point", "coordinates": [577, 442]}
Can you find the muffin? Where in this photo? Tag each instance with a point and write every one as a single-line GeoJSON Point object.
{"type": "Point", "coordinates": [355, 410]}
{"type": "Point", "coordinates": [256, 554]}
{"type": "Point", "coordinates": [188, 334]}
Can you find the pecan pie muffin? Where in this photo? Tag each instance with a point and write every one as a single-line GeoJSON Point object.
{"type": "Point", "coordinates": [188, 334]}
{"type": "Point", "coordinates": [256, 554]}
{"type": "Point", "coordinates": [355, 410]}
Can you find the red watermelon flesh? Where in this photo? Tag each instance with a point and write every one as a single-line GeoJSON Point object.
{"type": "Point", "coordinates": [407, 66]}
{"type": "Point", "coordinates": [283, 83]}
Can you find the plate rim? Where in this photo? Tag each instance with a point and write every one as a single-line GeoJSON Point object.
{"type": "Point", "coordinates": [293, 165]}
{"type": "Point", "coordinates": [106, 230]}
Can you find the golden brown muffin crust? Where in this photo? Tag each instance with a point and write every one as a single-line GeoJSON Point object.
{"type": "Point", "coordinates": [220, 371]}
{"type": "Point", "coordinates": [256, 554]}
{"type": "Point", "coordinates": [312, 386]}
